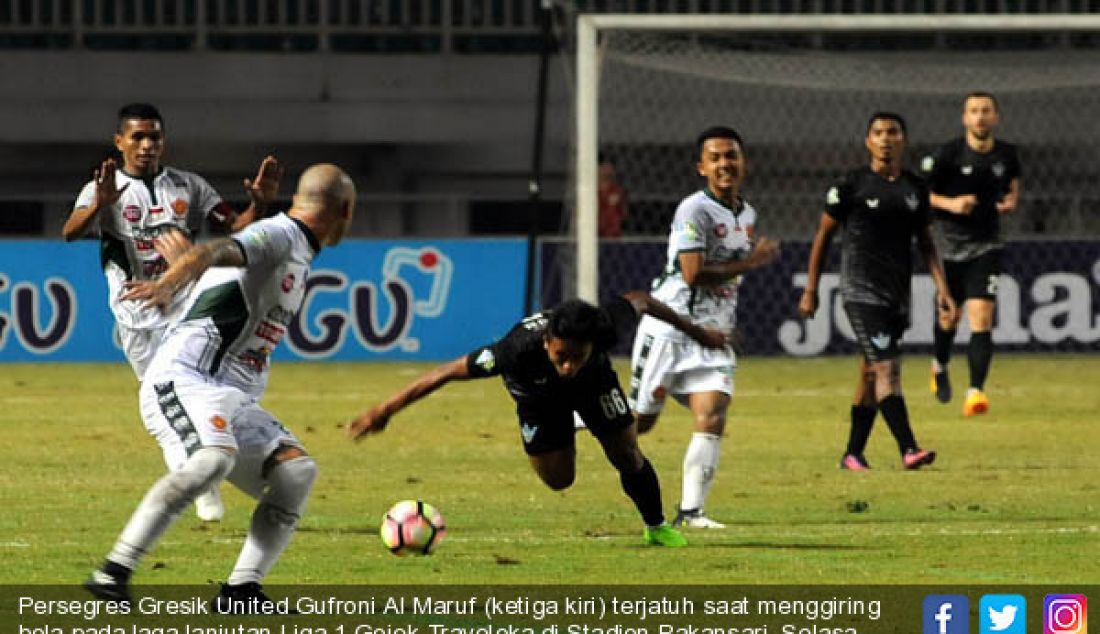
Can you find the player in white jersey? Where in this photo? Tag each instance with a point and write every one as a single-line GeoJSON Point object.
{"type": "Point", "coordinates": [710, 247]}
{"type": "Point", "coordinates": [201, 391]}
{"type": "Point", "coordinates": [145, 214]}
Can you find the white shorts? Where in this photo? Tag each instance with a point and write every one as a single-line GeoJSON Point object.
{"type": "Point", "coordinates": [661, 366]}
{"type": "Point", "coordinates": [185, 412]}
{"type": "Point", "coordinates": [139, 345]}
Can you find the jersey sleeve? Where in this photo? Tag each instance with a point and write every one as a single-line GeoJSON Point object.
{"type": "Point", "coordinates": [265, 242]}
{"type": "Point", "coordinates": [934, 167]}
{"type": "Point", "coordinates": [208, 200]}
{"type": "Point", "coordinates": [86, 195]}
{"type": "Point", "coordinates": [838, 199]}
{"type": "Point", "coordinates": [689, 230]}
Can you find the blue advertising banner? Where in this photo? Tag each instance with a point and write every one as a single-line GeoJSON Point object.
{"type": "Point", "coordinates": [365, 300]}
{"type": "Point", "coordinates": [1048, 297]}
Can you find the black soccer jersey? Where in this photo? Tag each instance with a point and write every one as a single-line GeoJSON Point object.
{"type": "Point", "coordinates": [880, 219]}
{"type": "Point", "coordinates": [954, 169]}
{"type": "Point", "coordinates": [520, 358]}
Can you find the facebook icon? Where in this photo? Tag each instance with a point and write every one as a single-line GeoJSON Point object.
{"type": "Point", "coordinates": [946, 614]}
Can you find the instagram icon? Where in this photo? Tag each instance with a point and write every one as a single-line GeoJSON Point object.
{"type": "Point", "coordinates": [1065, 614]}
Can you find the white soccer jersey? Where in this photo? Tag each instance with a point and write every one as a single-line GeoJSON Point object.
{"type": "Point", "coordinates": [702, 223]}
{"type": "Point", "coordinates": [177, 199]}
{"type": "Point", "coordinates": [234, 317]}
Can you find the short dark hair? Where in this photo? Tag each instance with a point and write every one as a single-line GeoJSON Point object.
{"type": "Point", "coordinates": [981, 94]}
{"type": "Point", "coordinates": [138, 111]}
{"type": "Point", "coordinates": [888, 116]}
{"type": "Point", "coordinates": [577, 320]}
{"type": "Point", "coordinates": [716, 132]}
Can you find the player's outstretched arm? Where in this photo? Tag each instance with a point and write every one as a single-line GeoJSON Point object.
{"type": "Point", "coordinates": [807, 305]}
{"type": "Point", "coordinates": [376, 418]}
{"type": "Point", "coordinates": [262, 192]}
{"type": "Point", "coordinates": [188, 268]}
{"type": "Point", "coordinates": [645, 304]}
{"type": "Point", "coordinates": [945, 304]}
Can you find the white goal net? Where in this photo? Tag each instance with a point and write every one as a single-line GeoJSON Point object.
{"type": "Point", "coordinates": [799, 89]}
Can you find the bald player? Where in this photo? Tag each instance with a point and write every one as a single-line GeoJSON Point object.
{"type": "Point", "coordinates": [201, 392]}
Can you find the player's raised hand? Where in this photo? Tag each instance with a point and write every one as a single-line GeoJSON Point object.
{"type": "Point", "coordinates": [152, 293]}
{"type": "Point", "coordinates": [265, 187]}
{"type": "Point", "coordinates": [171, 244]}
{"type": "Point", "coordinates": [372, 421]}
{"type": "Point", "coordinates": [807, 305]}
{"type": "Point", "coordinates": [764, 252]}
{"type": "Point", "coordinates": [107, 191]}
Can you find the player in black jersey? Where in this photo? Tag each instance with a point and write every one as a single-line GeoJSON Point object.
{"type": "Point", "coordinates": [553, 364]}
{"type": "Point", "coordinates": [973, 179]}
{"type": "Point", "coordinates": [881, 208]}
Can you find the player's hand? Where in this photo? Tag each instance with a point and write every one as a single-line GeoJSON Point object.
{"type": "Point", "coordinates": [372, 421]}
{"type": "Point", "coordinates": [964, 205]}
{"type": "Point", "coordinates": [265, 187]}
{"type": "Point", "coordinates": [106, 190]}
{"type": "Point", "coordinates": [713, 338]}
{"type": "Point", "coordinates": [1006, 205]}
{"type": "Point", "coordinates": [946, 307]}
{"type": "Point", "coordinates": [765, 252]}
{"type": "Point", "coordinates": [807, 305]}
{"type": "Point", "coordinates": [172, 244]}
{"type": "Point", "coordinates": [152, 293]}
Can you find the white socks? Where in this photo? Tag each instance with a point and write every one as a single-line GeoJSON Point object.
{"type": "Point", "coordinates": [275, 518]}
{"type": "Point", "coordinates": [164, 501]}
{"type": "Point", "coordinates": [700, 464]}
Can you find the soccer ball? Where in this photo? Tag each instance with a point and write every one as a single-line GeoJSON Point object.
{"type": "Point", "coordinates": [412, 527]}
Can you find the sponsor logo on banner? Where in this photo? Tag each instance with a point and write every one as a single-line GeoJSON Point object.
{"type": "Point", "coordinates": [362, 318]}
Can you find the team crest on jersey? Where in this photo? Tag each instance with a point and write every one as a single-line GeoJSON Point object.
{"type": "Point", "coordinates": [911, 201]}
{"type": "Point", "coordinates": [967, 169]}
{"type": "Point", "coordinates": [721, 230]}
{"type": "Point", "coordinates": [179, 206]}
{"type": "Point", "coordinates": [833, 197]}
{"type": "Point", "coordinates": [288, 282]}
{"type": "Point", "coordinates": [927, 164]}
{"type": "Point", "coordinates": [872, 203]}
{"type": "Point", "coordinates": [132, 213]}
{"type": "Point", "coordinates": [217, 422]}
{"type": "Point", "coordinates": [998, 169]}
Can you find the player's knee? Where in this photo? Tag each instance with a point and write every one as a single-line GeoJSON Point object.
{"type": "Point", "coordinates": [290, 482]}
{"type": "Point", "coordinates": [558, 479]}
{"type": "Point", "coordinates": [203, 469]}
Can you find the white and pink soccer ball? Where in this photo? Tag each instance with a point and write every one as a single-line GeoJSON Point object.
{"type": "Point", "coordinates": [412, 527]}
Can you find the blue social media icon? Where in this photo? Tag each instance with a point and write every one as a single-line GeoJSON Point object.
{"type": "Point", "coordinates": [946, 614]}
{"type": "Point", "coordinates": [1002, 614]}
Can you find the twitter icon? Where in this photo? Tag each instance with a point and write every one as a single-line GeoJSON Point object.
{"type": "Point", "coordinates": [1002, 614]}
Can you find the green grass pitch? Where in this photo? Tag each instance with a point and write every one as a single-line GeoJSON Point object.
{"type": "Point", "coordinates": [1013, 498]}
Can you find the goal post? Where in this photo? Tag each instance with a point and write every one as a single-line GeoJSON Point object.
{"type": "Point", "coordinates": [593, 29]}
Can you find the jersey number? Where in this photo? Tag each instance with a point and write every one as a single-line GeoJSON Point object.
{"type": "Point", "coordinates": [613, 404]}
{"type": "Point", "coordinates": [991, 287]}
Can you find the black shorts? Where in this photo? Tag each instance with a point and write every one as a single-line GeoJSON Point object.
{"type": "Point", "coordinates": [878, 330]}
{"type": "Point", "coordinates": [546, 420]}
{"type": "Point", "coordinates": [975, 278]}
